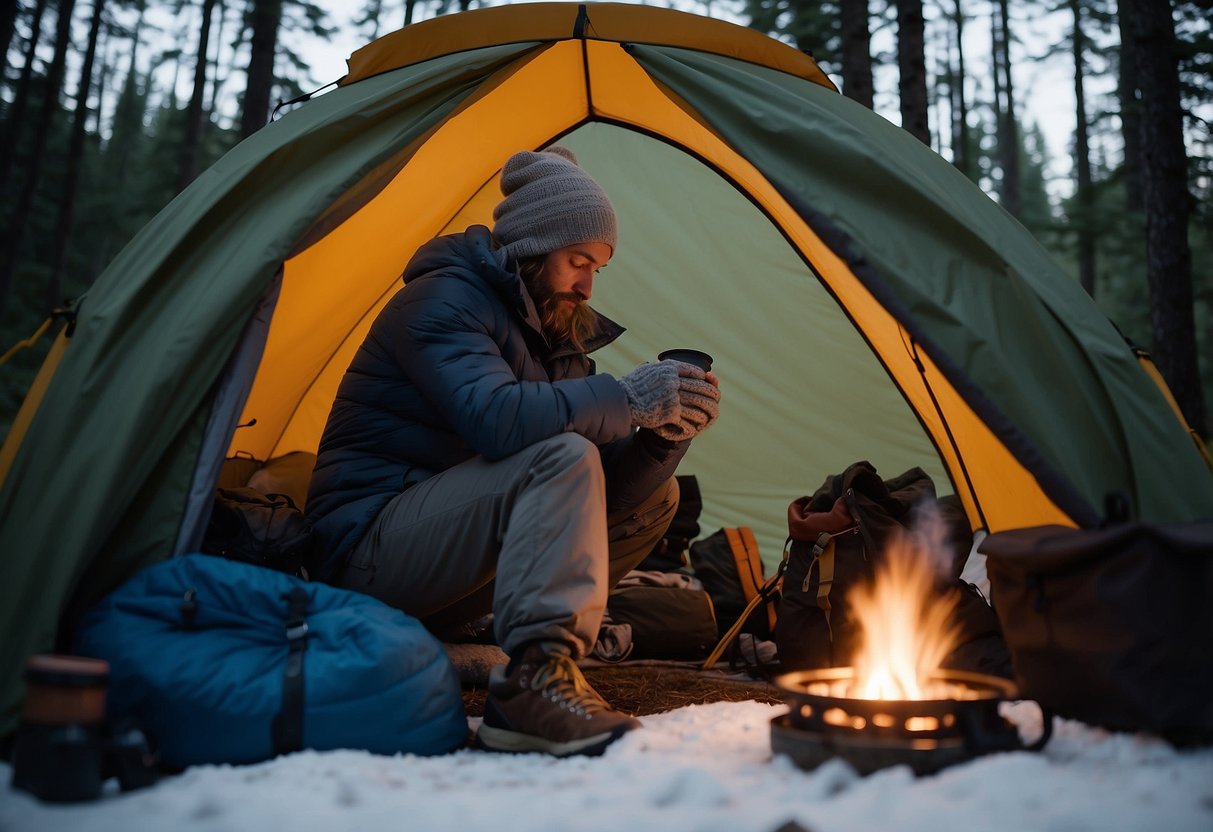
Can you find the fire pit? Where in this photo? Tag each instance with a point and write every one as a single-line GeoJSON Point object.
{"type": "Point", "coordinates": [957, 721]}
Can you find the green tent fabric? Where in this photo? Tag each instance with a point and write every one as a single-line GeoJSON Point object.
{"type": "Point", "coordinates": [166, 357]}
{"type": "Point", "coordinates": [969, 282]}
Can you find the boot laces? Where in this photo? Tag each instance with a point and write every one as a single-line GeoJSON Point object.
{"type": "Point", "coordinates": [561, 681]}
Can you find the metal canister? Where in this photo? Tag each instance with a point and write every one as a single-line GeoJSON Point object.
{"type": "Point", "coordinates": [59, 750]}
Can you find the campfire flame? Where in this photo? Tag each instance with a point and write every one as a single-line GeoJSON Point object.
{"type": "Point", "coordinates": [905, 620]}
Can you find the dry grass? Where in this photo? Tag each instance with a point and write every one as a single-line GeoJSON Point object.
{"type": "Point", "coordinates": [645, 689]}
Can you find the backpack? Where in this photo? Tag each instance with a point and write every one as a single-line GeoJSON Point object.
{"type": "Point", "coordinates": [836, 539]}
{"type": "Point", "coordinates": [262, 529]}
{"type": "Point", "coordinates": [223, 662]}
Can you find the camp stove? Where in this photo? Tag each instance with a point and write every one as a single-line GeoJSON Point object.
{"type": "Point", "coordinates": [959, 722]}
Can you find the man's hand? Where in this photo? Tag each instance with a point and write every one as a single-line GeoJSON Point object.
{"type": "Point", "coordinates": [653, 392]}
{"type": "Point", "coordinates": [699, 406]}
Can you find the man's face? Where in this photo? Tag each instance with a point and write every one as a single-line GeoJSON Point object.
{"type": "Point", "coordinates": [568, 273]}
{"type": "Point", "coordinates": [566, 284]}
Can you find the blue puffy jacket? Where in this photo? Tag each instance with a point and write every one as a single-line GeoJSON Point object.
{"type": "Point", "coordinates": [456, 365]}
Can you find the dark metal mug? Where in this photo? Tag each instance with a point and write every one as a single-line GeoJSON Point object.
{"type": "Point", "coordinates": [696, 358]}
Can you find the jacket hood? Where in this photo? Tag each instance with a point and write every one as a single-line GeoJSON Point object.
{"type": "Point", "coordinates": [475, 251]}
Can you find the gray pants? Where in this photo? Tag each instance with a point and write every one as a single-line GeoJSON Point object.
{"type": "Point", "coordinates": [526, 538]}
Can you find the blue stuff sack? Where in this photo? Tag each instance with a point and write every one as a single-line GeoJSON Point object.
{"type": "Point", "coordinates": [200, 655]}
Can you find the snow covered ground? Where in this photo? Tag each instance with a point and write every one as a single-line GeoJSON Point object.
{"type": "Point", "coordinates": [703, 768]}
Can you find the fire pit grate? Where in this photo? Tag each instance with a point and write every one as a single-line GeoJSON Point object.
{"type": "Point", "coordinates": [927, 734]}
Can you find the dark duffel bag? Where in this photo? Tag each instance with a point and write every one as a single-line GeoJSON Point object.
{"type": "Point", "coordinates": [1111, 626]}
{"type": "Point", "coordinates": [667, 622]}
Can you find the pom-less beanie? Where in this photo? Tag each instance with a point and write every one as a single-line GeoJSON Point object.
{"type": "Point", "coordinates": [550, 203]}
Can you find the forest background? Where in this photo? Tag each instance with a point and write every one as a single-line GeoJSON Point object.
{"type": "Point", "coordinates": [109, 108]}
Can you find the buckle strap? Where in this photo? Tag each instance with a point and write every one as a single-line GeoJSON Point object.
{"type": "Point", "coordinates": [287, 727]}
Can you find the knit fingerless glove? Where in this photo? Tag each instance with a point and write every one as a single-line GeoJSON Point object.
{"type": "Point", "coordinates": [699, 406]}
{"type": "Point", "coordinates": [652, 391]}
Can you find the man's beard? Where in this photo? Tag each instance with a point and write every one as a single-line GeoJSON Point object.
{"type": "Point", "coordinates": [563, 323]}
{"type": "Point", "coordinates": [560, 322]}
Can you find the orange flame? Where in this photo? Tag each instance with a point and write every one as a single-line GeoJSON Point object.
{"type": "Point", "coordinates": [905, 621]}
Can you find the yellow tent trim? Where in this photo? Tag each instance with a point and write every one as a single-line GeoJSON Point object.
{"type": "Point", "coordinates": [33, 398]}
{"type": "Point", "coordinates": [1147, 364]}
{"type": "Point", "coordinates": [540, 22]}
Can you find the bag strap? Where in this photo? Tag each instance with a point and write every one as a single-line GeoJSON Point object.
{"type": "Point", "coordinates": [288, 724]}
{"type": "Point", "coordinates": [747, 563]}
{"type": "Point", "coordinates": [823, 553]}
{"type": "Point", "coordinates": [753, 567]}
{"type": "Point", "coordinates": [766, 594]}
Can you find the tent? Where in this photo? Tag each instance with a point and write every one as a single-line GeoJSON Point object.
{"type": "Point", "coordinates": [862, 298]}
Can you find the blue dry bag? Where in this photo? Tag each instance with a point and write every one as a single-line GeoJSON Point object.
{"type": "Point", "coordinates": [226, 662]}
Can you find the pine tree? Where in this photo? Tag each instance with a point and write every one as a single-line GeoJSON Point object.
{"type": "Point", "coordinates": [962, 141]}
{"type": "Point", "coordinates": [18, 224]}
{"type": "Point", "coordinates": [75, 154]}
{"type": "Point", "coordinates": [266, 18]}
{"type": "Point", "coordinates": [814, 27]}
{"type": "Point", "coordinates": [911, 62]}
{"type": "Point", "coordinates": [16, 115]}
{"type": "Point", "coordinates": [1004, 97]}
{"type": "Point", "coordinates": [1085, 215]}
{"type": "Point", "coordinates": [8, 21]}
{"type": "Point", "coordinates": [1168, 205]}
{"type": "Point", "coordinates": [188, 168]}
{"type": "Point", "coordinates": [856, 38]}
{"type": "Point", "coordinates": [1130, 110]}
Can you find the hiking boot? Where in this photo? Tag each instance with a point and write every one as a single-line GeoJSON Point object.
{"type": "Point", "coordinates": [545, 704]}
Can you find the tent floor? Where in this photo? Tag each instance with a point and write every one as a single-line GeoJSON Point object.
{"type": "Point", "coordinates": [639, 687]}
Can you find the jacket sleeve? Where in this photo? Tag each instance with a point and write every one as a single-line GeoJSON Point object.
{"type": "Point", "coordinates": [636, 465]}
{"type": "Point", "coordinates": [447, 347]}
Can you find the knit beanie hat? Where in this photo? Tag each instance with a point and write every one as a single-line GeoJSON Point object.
{"type": "Point", "coordinates": [550, 203]}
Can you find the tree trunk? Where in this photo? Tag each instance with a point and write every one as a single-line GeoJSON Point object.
{"type": "Point", "coordinates": [409, 8]}
{"type": "Point", "coordinates": [1085, 196]}
{"type": "Point", "coordinates": [960, 120]}
{"type": "Point", "coordinates": [1130, 109]}
{"type": "Point", "coordinates": [1008, 128]}
{"type": "Point", "coordinates": [911, 62]}
{"type": "Point", "coordinates": [16, 114]}
{"type": "Point", "coordinates": [267, 15]}
{"type": "Point", "coordinates": [856, 51]}
{"type": "Point", "coordinates": [222, 73]}
{"type": "Point", "coordinates": [103, 77]}
{"type": "Point", "coordinates": [21, 211]}
{"type": "Point", "coordinates": [67, 202]}
{"type": "Point", "coordinates": [1168, 205]}
{"type": "Point", "coordinates": [193, 116]}
{"type": "Point", "coordinates": [8, 22]}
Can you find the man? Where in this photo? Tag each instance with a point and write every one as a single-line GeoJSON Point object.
{"type": "Point", "coordinates": [474, 462]}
